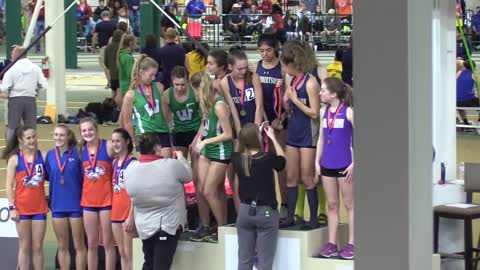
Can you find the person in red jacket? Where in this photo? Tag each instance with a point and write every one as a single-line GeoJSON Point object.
{"type": "Point", "coordinates": [84, 11]}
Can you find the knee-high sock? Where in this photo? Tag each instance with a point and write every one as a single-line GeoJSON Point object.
{"type": "Point", "coordinates": [322, 200]}
{"type": "Point", "coordinates": [312, 197]}
{"type": "Point", "coordinates": [301, 200]}
{"type": "Point", "coordinates": [292, 195]}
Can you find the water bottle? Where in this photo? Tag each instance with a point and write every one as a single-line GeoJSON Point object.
{"type": "Point", "coordinates": [443, 167]}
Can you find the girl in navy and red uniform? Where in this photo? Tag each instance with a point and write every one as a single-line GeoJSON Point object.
{"type": "Point", "coordinates": [269, 69]}
{"type": "Point", "coordinates": [97, 192]}
{"type": "Point", "coordinates": [334, 160]}
{"type": "Point", "coordinates": [122, 211]}
{"type": "Point", "coordinates": [302, 132]}
{"type": "Point", "coordinates": [64, 170]}
{"type": "Point", "coordinates": [26, 195]}
{"type": "Point", "coordinates": [217, 64]}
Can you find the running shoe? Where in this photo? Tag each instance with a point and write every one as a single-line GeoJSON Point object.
{"type": "Point", "coordinates": [201, 234]}
{"type": "Point", "coordinates": [348, 252]}
{"type": "Point", "coordinates": [330, 250]}
{"type": "Point", "coordinates": [213, 238]}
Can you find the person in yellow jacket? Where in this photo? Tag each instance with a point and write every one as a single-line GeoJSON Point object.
{"type": "Point", "coordinates": [196, 60]}
{"type": "Point", "coordinates": [335, 68]}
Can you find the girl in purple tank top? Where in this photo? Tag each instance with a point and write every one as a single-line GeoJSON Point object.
{"type": "Point", "coordinates": [334, 160]}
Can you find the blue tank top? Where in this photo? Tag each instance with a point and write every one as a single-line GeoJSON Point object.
{"type": "Point", "coordinates": [302, 130]}
{"type": "Point", "coordinates": [269, 78]}
{"type": "Point", "coordinates": [65, 196]}
{"type": "Point", "coordinates": [248, 105]}
{"type": "Point", "coordinates": [38, 173]}
{"type": "Point", "coordinates": [465, 86]}
{"type": "Point", "coordinates": [337, 142]}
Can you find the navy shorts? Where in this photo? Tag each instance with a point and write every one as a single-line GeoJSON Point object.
{"type": "Point", "coordinates": [70, 214]}
{"type": "Point", "coordinates": [97, 209]}
{"type": "Point", "coordinates": [34, 217]}
{"type": "Point", "coordinates": [184, 139]}
{"type": "Point", "coordinates": [333, 172]}
{"type": "Point", "coordinates": [165, 139]}
{"type": "Point", "coordinates": [225, 161]}
{"type": "Point", "coordinates": [117, 221]}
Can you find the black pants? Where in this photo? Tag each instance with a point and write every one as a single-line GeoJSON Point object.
{"type": "Point", "coordinates": [158, 251]}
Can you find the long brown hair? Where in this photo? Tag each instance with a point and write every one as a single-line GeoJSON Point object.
{"type": "Point", "coordinates": [13, 144]}
{"type": "Point", "coordinates": [236, 55]}
{"type": "Point", "coordinates": [248, 139]}
{"type": "Point", "coordinates": [143, 63]}
{"type": "Point", "coordinates": [343, 90]}
{"type": "Point", "coordinates": [301, 56]}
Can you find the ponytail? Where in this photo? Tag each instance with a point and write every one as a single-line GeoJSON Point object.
{"type": "Point", "coordinates": [348, 95]}
{"type": "Point", "coordinates": [143, 63]}
{"type": "Point", "coordinates": [248, 140]}
{"type": "Point", "coordinates": [13, 145]}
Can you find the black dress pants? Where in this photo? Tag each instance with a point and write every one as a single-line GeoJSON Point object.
{"type": "Point", "coordinates": [159, 250]}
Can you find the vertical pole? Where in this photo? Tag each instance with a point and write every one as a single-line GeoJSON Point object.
{"type": "Point", "coordinates": [13, 25]}
{"type": "Point", "coordinates": [393, 135]}
{"type": "Point", "coordinates": [71, 57]}
{"type": "Point", "coordinates": [56, 98]}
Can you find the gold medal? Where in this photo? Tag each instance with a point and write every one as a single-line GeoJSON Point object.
{"type": "Point", "coordinates": [62, 181]}
{"type": "Point", "coordinates": [243, 113]}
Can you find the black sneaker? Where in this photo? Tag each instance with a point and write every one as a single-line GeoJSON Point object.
{"type": "Point", "coordinates": [201, 234]}
{"type": "Point", "coordinates": [213, 238]}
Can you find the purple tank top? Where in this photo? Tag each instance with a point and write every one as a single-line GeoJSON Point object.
{"type": "Point", "coordinates": [337, 142]}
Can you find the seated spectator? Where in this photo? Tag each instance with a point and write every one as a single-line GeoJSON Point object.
{"type": "Point", "coordinates": [115, 6]}
{"type": "Point", "coordinates": [465, 89]}
{"type": "Point", "coordinates": [335, 68]}
{"type": "Point", "coordinates": [97, 14]}
{"type": "Point", "coordinates": [195, 9]}
{"type": "Point", "coordinates": [246, 6]}
{"type": "Point", "coordinates": [290, 25]}
{"type": "Point", "coordinates": [152, 50]}
{"type": "Point", "coordinates": [197, 60]}
{"type": "Point", "coordinates": [461, 50]}
{"type": "Point", "coordinates": [254, 22]}
{"type": "Point", "coordinates": [166, 22]}
{"type": "Point", "coordinates": [84, 11]}
{"type": "Point", "coordinates": [236, 23]}
{"type": "Point", "coordinates": [317, 18]}
{"type": "Point", "coordinates": [332, 27]}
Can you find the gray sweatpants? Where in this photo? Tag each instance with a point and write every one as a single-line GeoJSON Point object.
{"type": "Point", "coordinates": [257, 233]}
{"type": "Point", "coordinates": [21, 108]}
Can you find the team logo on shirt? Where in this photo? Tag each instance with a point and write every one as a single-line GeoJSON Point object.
{"type": "Point", "coordinates": [185, 115]}
{"type": "Point", "coordinates": [149, 109]}
{"type": "Point", "coordinates": [121, 182]}
{"type": "Point", "coordinates": [36, 178]}
{"type": "Point", "coordinates": [94, 174]}
{"type": "Point", "coordinates": [339, 123]}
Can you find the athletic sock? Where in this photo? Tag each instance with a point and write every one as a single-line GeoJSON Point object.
{"type": "Point", "coordinates": [292, 195]}
{"type": "Point", "coordinates": [301, 200]}
{"type": "Point", "coordinates": [322, 200]}
{"type": "Point", "coordinates": [313, 205]}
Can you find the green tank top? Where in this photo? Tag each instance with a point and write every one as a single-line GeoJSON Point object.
{"type": "Point", "coordinates": [212, 128]}
{"type": "Point", "coordinates": [146, 119]}
{"type": "Point", "coordinates": [186, 116]}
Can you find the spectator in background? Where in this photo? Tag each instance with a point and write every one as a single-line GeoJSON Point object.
{"type": "Point", "coordinates": [110, 62]}
{"type": "Point", "coordinates": [197, 60]}
{"type": "Point", "coordinates": [21, 84]}
{"type": "Point", "coordinates": [277, 26]}
{"type": "Point", "coordinates": [115, 6]}
{"type": "Point", "coordinates": [236, 23]}
{"type": "Point", "coordinates": [317, 18]}
{"type": "Point", "coordinates": [103, 32]}
{"type": "Point", "coordinates": [84, 11]}
{"type": "Point", "coordinates": [195, 9]}
{"type": "Point", "coordinates": [311, 5]}
{"type": "Point", "coordinates": [134, 15]}
{"type": "Point", "coordinates": [171, 55]}
{"type": "Point", "coordinates": [254, 21]}
{"type": "Point", "coordinates": [476, 27]}
{"type": "Point", "coordinates": [166, 22]}
{"type": "Point", "coordinates": [344, 8]}
{"type": "Point", "coordinates": [335, 68]}
{"type": "Point", "coordinates": [332, 27]}
{"type": "Point", "coordinates": [347, 64]}
{"type": "Point", "coordinates": [465, 89]}
{"type": "Point", "coordinates": [290, 25]}
{"type": "Point", "coordinates": [40, 25]}
{"type": "Point", "coordinates": [123, 17]}
{"type": "Point", "coordinates": [97, 13]}
{"type": "Point", "coordinates": [266, 7]}
{"type": "Point", "coordinates": [152, 50]}
{"type": "Point", "coordinates": [461, 50]}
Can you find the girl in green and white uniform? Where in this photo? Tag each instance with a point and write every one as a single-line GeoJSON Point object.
{"type": "Point", "coordinates": [181, 109]}
{"type": "Point", "coordinates": [215, 147]}
{"type": "Point", "coordinates": [143, 101]}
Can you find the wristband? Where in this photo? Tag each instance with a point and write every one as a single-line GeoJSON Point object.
{"type": "Point", "coordinates": [11, 207]}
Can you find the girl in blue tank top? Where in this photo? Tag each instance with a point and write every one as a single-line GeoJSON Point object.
{"type": "Point", "coordinates": [64, 170]}
{"type": "Point", "coordinates": [303, 101]}
{"type": "Point", "coordinates": [243, 91]}
{"type": "Point", "coordinates": [334, 160]}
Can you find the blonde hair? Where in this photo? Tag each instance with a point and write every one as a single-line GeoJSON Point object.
{"type": "Point", "coordinates": [248, 139]}
{"type": "Point", "coordinates": [202, 80]}
{"type": "Point", "coordinates": [170, 34]}
{"type": "Point", "coordinates": [143, 63]}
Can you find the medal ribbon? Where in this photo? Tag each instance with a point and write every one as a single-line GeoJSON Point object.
{"type": "Point", "coordinates": [93, 161]}
{"type": "Point", "coordinates": [331, 124]}
{"type": "Point", "coordinates": [277, 93]}
{"type": "Point", "coordinates": [297, 81]}
{"type": "Point", "coordinates": [117, 170]}
{"type": "Point", "coordinates": [30, 168]}
{"type": "Point", "coordinates": [61, 166]}
{"type": "Point", "coordinates": [150, 99]}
